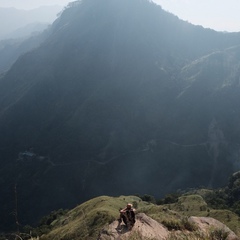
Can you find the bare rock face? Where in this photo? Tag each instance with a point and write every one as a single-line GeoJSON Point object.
{"type": "Point", "coordinates": [147, 228]}
{"type": "Point", "coordinates": [144, 228]}
{"type": "Point", "coordinates": [207, 224]}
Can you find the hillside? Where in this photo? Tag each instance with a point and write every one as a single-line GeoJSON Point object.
{"type": "Point", "coordinates": [97, 219]}
{"type": "Point", "coordinates": [120, 97]}
{"type": "Point", "coordinates": [12, 49]}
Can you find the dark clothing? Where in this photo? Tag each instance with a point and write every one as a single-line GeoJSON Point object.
{"type": "Point", "coordinates": [128, 217]}
{"type": "Point", "coordinates": [131, 215]}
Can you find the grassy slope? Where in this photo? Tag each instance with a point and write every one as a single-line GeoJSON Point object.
{"type": "Point", "coordinates": [88, 219]}
{"type": "Point", "coordinates": [193, 205]}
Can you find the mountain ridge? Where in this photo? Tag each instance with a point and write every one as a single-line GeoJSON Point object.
{"type": "Point", "coordinates": [104, 105]}
{"type": "Point", "coordinates": [97, 219]}
{"type": "Point", "coordinates": [13, 19]}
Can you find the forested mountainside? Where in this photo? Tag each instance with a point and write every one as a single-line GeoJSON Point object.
{"type": "Point", "coordinates": [120, 98]}
{"type": "Point", "coordinates": [12, 49]}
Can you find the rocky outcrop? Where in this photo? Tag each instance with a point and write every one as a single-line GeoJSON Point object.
{"type": "Point", "coordinates": [145, 227]}
{"type": "Point", "coordinates": [207, 224]}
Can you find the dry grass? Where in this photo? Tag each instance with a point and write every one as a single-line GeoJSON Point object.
{"type": "Point", "coordinates": [88, 219]}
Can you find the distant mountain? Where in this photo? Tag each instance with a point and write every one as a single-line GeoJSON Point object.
{"type": "Point", "coordinates": [28, 30]}
{"type": "Point", "coordinates": [120, 98]}
{"type": "Point", "coordinates": [11, 49]}
{"type": "Point", "coordinates": [15, 23]}
{"type": "Point", "coordinates": [19, 30]}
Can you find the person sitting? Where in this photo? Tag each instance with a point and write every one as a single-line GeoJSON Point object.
{"type": "Point", "coordinates": [127, 215]}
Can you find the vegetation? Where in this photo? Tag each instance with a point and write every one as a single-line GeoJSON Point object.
{"type": "Point", "coordinates": [115, 84]}
{"type": "Point", "coordinates": [218, 234]}
{"type": "Point", "coordinates": [87, 220]}
{"type": "Point", "coordinates": [213, 235]}
{"type": "Point", "coordinates": [179, 224]}
{"type": "Point", "coordinates": [224, 198]}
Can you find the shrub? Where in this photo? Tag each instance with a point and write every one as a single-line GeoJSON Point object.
{"type": "Point", "coordinates": [190, 226]}
{"type": "Point", "coordinates": [169, 198]}
{"type": "Point", "coordinates": [148, 198]}
{"type": "Point", "coordinates": [172, 224]}
{"type": "Point", "coordinates": [182, 224]}
{"type": "Point", "coordinates": [135, 204]}
{"type": "Point", "coordinates": [218, 234]}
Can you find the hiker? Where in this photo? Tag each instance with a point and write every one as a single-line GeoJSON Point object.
{"type": "Point", "coordinates": [128, 216]}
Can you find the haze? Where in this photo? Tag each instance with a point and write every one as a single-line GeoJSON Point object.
{"type": "Point", "coordinates": [220, 15]}
{"type": "Point", "coordinates": [118, 97]}
{"type": "Point", "coordinates": [29, 4]}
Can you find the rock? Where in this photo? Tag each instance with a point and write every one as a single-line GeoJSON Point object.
{"type": "Point", "coordinates": [145, 227]}
{"type": "Point", "coordinates": [208, 224]}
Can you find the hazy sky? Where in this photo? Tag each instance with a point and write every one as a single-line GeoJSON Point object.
{"type": "Point", "coordinates": [221, 15]}
{"type": "Point", "coordinates": [29, 4]}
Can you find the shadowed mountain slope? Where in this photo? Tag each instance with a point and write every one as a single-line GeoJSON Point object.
{"type": "Point", "coordinates": [11, 49]}
{"type": "Point", "coordinates": [120, 97]}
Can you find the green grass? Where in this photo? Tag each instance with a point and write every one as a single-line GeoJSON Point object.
{"type": "Point", "coordinates": [88, 219]}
